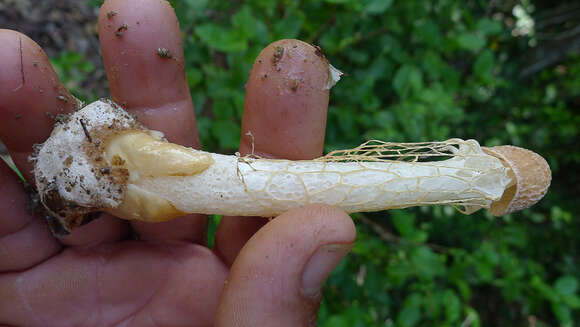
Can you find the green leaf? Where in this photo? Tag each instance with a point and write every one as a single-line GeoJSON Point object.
{"type": "Point", "coordinates": [514, 235]}
{"type": "Point", "coordinates": [484, 66]}
{"type": "Point", "coordinates": [452, 305]}
{"type": "Point", "coordinates": [375, 7]}
{"type": "Point", "coordinates": [473, 317]}
{"type": "Point", "coordinates": [405, 224]}
{"type": "Point", "coordinates": [544, 289]}
{"type": "Point", "coordinates": [470, 41]}
{"type": "Point", "coordinates": [410, 314]}
{"type": "Point", "coordinates": [562, 312]}
{"type": "Point", "coordinates": [95, 3]}
{"type": "Point", "coordinates": [488, 26]}
{"type": "Point", "coordinates": [244, 21]}
{"type": "Point", "coordinates": [430, 33]}
{"type": "Point", "coordinates": [566, 285]}
{"type": "Point", "coordinates": [288, 28]}
{"type": "Point", "coordinates": [223, 109]}
{"type": "Point", "coordinates": [213, 223]}
{"type": "Point", "coordinates": [196, 5]}
{"type": "Point", "coordinates": [427, 264]}
{"type": "Point", "coordinates": [463, 287]}
{"type": "Point", "coordinates": [227, 133]}
{"type": "Point", "coordinates": [338, 1]}
{"type": "Point", "coordinates": [572, 300]}
{"type": "Point", "coordinates": [407, 79]}
{"type": "Point", "coordinates": [188, 11]}
{"type": "Point", "coordinates": [220, 38]}
{"type": "Point", "coordinates": [393, 48]}
{"type": "Point", "coordinates": [194, 77]}
{"type": "Point", "coordinates": [262, 33]}
{"type": "Point", "coordinates": [204, 125]}
{"type": "Point", "coordinates": [403, 221]}
{"type": "Point", "coordinates": [337, 321]}
{"type": "Point", "coordinates": [489, 253]}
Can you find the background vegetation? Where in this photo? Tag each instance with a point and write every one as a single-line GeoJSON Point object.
{"type": "Point", "coordinates": [501, 72]}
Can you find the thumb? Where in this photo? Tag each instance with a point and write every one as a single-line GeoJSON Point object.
{"type": "Point", "coordinates": [277, 278]}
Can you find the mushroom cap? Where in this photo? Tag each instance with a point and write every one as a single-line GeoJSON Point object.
{"type": "Point", "coordinates": [532, 178]}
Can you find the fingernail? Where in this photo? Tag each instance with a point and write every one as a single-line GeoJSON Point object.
{"type": "Point", "coordinates": [321, 264]}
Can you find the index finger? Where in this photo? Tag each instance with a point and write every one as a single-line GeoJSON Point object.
{"type": "Point", "coordinates": [143, 56]}
{"type": "Point", "coordinates": [284, 117]}
{"type": "Point", "coordinates": [31, 96]}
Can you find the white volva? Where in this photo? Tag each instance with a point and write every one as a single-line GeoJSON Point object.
{"type": "Point", "coordinates": [100, 158]}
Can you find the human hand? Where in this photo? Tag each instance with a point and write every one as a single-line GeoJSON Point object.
{"type": "Point", "coordinates": [98, 275]}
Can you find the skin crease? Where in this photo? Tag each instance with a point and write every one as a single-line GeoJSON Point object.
{"type": "Point", "coordinates": [97, 276]}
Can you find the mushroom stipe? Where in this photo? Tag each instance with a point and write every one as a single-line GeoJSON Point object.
{"type": "Point", "coordinates": [101, 159]}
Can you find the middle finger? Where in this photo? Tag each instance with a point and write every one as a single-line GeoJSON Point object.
{"type": "Point", "coordinates": [284, 117]}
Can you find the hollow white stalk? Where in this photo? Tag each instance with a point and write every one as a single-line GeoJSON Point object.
{"type": "Point", "coordinates": [100, 158]}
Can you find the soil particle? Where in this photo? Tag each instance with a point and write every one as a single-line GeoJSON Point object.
{"type": "Point", "coordinates": [33, 205]}
{"type": "Point", "coordinates": [121, 30]}
{"type": "Point", "coordinates": [117, 161]}
{"type": "Point", "coordinates": [86, 131]}
{"type": "Point", "coordinates": [318, 52]}
{"type": "Point", "coordinates": [278, 53]}
{"type": "Point", "coordinates": [68, 161]}
{"type": "Point", "coordinates": [294, 85]}
{"type": "Point", "coordinates": [58, 118]}
{"type": "Point", "coordinates": [164, 53]}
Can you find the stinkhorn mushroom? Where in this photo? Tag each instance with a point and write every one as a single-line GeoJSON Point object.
{"type": "Point", "coordinates": [101, 159]}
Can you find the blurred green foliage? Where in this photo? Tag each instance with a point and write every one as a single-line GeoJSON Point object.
{"type": "Point", "coordinates": [418, 71]}
{"type": "Point", "coordinates": [72, 69]}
